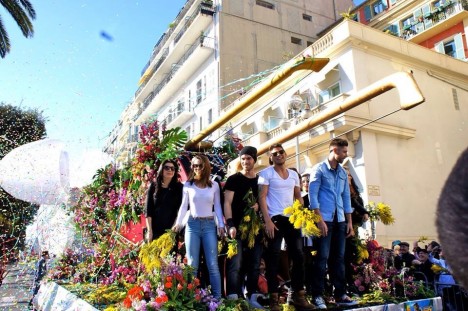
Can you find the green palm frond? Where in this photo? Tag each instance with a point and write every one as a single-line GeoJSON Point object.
{"type": "Point", "coordinates": [22, 12]}
{"type": "Point", "coordinates": [172, 142]}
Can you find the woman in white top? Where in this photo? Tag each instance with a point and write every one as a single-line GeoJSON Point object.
{"type": "Point", "coordinates": [201, 194]}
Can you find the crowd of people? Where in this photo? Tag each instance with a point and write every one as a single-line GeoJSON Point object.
{"type": "Point", "coordinates": [279, 265]}
{"type": "Point", "coordinates": [209, 212]}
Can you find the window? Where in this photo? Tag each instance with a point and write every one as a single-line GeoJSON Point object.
{"type": "Point", "coordinates": [180, 106]}
{"type": "Point", "coordinates": [188, 130]}
{"type": "Point", "coordinates": [273, 122]}
{"type": "Point", "coordinates": [309, 43]}
{"type": "Point", "coordinates": [204, 87]}
{"type": "Point", "coordinates": [265, 4]}
{"type": "Point", "coordinates": [377, 7]}
{"type": "Point", "coordinates": [199, 91]}
{"type": "Point", "coordinates": [374, 9]}
{"type": "Point", "coordinates": [295, 40]}
{"type": "Point", "coordinates": [190, 100]}
{"type": "Point", "coordinates": [210, 116]}
{"type": "Point", "coordinates": [452, 47]}
{"type": "Point", "coordinates": [201, 123]}
{"type": "Point", "coordinates": [307, 17]}
{"type": "Point", "coordinates": [329, 93]}
{"type": "Point", "coordinates": [393, 30]}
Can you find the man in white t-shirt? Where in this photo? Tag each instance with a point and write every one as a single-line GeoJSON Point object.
{"type": "Point", "coordinates": [278, 188]}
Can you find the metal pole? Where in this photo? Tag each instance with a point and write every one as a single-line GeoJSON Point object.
{"type": "Point", "coordinates": [298, 163]}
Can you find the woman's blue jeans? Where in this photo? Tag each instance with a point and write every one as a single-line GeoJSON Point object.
{"type": "Point", "coordinates": [200, 231]}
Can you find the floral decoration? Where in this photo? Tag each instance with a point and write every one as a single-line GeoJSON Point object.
{"type": "Point", "coordinates": [303, 218]}
{"type": "Point", "coordinates": [380, 212]}
{"type": "Point", "coordinates": [250, 224]}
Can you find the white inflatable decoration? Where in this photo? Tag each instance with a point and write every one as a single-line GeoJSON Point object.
{"type": "Point", "coordinates": [84, 166]}
{"type": "Point", "coordinates": [40, 173]}
{"type": "Point", "coordinates": [51, 230]}
{"type": "Point", "coordinates": [36, 172]}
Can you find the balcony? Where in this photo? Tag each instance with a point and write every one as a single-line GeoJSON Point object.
{"type": "Point", "coordinates": [256, 139]}
{"type": "Point", "coordinates": [187, 30]}
{"type": "Point", "coordinates": [180, 72]}
{"type": "Point", "coordinates": [178, 117]}
{"type": "Point", "coordinates": [435, 22]}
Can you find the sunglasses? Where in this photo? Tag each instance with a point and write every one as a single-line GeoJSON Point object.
{"type": "Point", "coordinates": [275, 154]}
{"type": "Point", "coordinates": [197, 165]}
{"type": "Point", "coordinates": [169, 168]}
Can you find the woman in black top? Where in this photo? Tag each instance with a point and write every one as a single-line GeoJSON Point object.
{"type": "Point", "coordinates": [163, 200]}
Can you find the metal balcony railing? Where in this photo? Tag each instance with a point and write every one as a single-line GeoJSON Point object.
{"type": "Point", "coordinates": [173, 26]}
{"type": "Point", "coordinates": [433, 18]}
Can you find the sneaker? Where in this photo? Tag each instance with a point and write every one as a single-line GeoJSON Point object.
{"type": "Point", "coordinates": [253, 301]}
{"type": "Point", "coordinates": [345, 301]}
{"type": "Point", "coordinates": [319, 302]}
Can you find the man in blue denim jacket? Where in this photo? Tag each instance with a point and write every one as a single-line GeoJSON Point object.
{"type": "Point", "coordinates": [330, 197]}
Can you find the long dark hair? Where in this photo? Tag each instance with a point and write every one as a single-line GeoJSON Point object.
{"type": "Point", "coordinates": [159, 175]}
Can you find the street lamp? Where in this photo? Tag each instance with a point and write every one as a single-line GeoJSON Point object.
{"type": "Point", "coordinates": [301, 111]}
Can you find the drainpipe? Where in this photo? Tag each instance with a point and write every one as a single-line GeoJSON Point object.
{"type": "Point", "coordinates": [297, 63]}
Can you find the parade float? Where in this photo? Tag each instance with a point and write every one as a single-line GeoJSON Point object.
{"type": "Point", "coordinates": [104, 267]}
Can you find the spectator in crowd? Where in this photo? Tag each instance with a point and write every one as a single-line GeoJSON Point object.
{"type": "Point", "coordinates": [452, 216]}
{"type": "Point", "coordinates": [404, 257]}
{"type": "Point", "coordinates": [329, 197]}
{"type": "Point", "coordinates": [423, 265]}
{"type": "Point", "coordinates": [445, 278]}
{"type": "Point", "coordinates": [201, 194]}
{"type": "Point", "coordinates": [237, 187]}
{"type": "Point", "coordinates": [41, 271]}
{"type": "Point", "coordinates": [279, 186]}
{"type": "Point", "coordinates": [163, 200]}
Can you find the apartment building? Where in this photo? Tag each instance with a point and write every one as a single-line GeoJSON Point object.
{"type": "Point", "coordinates": [211, 54]}
{"type": "Point", "coordinates": [440, 25]}
{"type": "Point", "coordinates": [398, 157]}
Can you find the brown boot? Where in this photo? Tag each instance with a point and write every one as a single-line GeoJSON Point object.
{"type": "Point", "coordinates": [274, 302]}
{"type": "Point", "coordinates": [300, 302]}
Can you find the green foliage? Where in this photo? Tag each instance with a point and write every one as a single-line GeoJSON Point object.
{"type": "Point", "coordinates": [22, 12]}
{"type": "Point", "coordinates": [173, 141]}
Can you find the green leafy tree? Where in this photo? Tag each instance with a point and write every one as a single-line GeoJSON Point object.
{"type": "Point", "coordinates": [22, 12]}
{"type": "Point", "coordinates": [18, 126]}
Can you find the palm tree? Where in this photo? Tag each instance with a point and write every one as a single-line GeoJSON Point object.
{"type": "Point", "coordinates": [22, 12]}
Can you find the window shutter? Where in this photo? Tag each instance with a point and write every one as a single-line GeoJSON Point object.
{"type": "Point", "coordinates": [439, 47]}
{"type": "Point", "coordinates": [384, 4]}
{"type": "Point", "coordinates": [459, 50]}
{"type": "Point", "coordinates": [367, 12]}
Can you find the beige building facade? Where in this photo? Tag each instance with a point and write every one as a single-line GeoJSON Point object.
{"type": "Point", "coordinates": [398, 157]}
{"type": "Point", "coordinates": [213, 52]}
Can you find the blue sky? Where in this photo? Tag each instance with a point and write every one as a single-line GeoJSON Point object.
{"type": "Point", "coordinates": [81, 80]}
